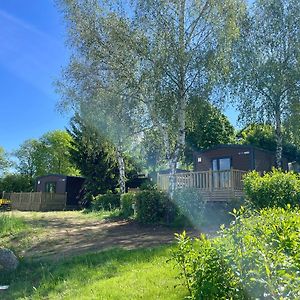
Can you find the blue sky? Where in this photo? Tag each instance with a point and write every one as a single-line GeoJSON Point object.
{"type": "Point", "coordinates": [32, 52]}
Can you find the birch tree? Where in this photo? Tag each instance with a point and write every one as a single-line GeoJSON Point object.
{"type": "Point", "coordinates": [187, 50]}
{"type": "Point", "coordinates": [267, 73]}
{"type": "Point", "coordinates": [5, 162]}
{"type": "Point", "coordinates": [153, 56]}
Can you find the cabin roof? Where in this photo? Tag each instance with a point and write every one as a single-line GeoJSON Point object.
{"type": "Point", "coordinates": [59, 176]}
{"type": "Point", "coordinates": [234, 146]}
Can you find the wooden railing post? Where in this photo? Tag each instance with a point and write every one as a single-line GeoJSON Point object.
{"type": "Point", "coordinates": [210, 180]}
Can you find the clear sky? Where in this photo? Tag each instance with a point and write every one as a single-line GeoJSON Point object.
{"type": "Point", "coordinates": [32, 52]}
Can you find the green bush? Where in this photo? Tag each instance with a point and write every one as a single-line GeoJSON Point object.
{"type": "Point", "coordinates": [207, 275]}
{"type": "Point", "coordinates": [106, 202]}
{"type": "Point", "coordinates": [190, 204]}
{"type": "Point", "coordinates": [153, 207]}
{"type": "Point", "coordinates": [257, 257]}
{"type": "Point", "coordinates": [276, 188]}
{"type": "Point", "coordinates": [127, 200]}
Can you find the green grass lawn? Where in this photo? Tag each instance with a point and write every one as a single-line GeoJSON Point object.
{"type": "Point", "coordinates": [10, 224]}
{"type": "Point", "coordinates": [112, 274]}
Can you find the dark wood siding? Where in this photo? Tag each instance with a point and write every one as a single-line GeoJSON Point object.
{"type": "Point", "coordinates": [60, 180]}
{"type": "Point", "coordinates": [265, 160]}
{"type": "Point", "coordinates": [64, 184]}
{"type": "Point", "coordinates": [74, 187]}
{"type": "Point", "coordinates": [241, 158]}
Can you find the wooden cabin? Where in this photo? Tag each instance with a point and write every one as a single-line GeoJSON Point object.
{"type": "Point", "coordinates": [218, 171]}
{"type": "Point", "coordinates": [60, 184]}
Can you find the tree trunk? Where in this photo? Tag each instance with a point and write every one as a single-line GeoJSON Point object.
{"type": "Point", "coordinates": [121, 166]}
{"type": "Point", "coordinates": [172, 178]}
{"type": "Point", "coordinates": [182, 99]}
{"type": "Point", "coordinates": [278, 132]}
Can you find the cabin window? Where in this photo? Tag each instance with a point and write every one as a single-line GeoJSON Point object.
{"type": "Point", "coordinates": [221, 176]}
{"type": "Point", "coordinates": [50, 187]}
{"type": "Point", "coordinates": [221, 164]}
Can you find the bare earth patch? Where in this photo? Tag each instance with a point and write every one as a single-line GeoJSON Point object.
{"type": "Point", "coordinates": [64, 234]}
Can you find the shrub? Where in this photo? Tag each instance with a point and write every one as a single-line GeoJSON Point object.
{"type": "Point", "coordinates": [152, 206]}
{"type": "Point", "coordinates": [206, 273]}
{"type": "Point", "coordinates": [276, 188]}
{"type": "Point", "coordinates": [257, 257]}
{"type": "Point", "coordinates": [127, 200]}
{"type": "Point", "coordinates": [190, 204]}
{"type": "Point", "coordinates": [148, 185]}
{"type": "Point", "coordinates": [106, 202]}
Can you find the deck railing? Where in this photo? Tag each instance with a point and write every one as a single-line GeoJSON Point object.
{"type": "Point", "coordinates": [205, 180]}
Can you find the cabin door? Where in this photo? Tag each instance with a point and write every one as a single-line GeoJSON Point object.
{"type": "Point", "coordinates": [221, 172]}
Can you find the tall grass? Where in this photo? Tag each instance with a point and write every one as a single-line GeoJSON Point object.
{"type": "Point", "coordinates": [10, 224]}
{"type": "Point", "coordinates": [112, 274]}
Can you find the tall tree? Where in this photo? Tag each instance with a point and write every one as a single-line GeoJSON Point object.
{"type": "Point", "coordinates": [264, 137]}
{"type": "Point", "coordinates": [206, 127]}
{"type": "Point", "coordinates": [154, 55]}
{"type": "Point", "coordinates": [5, 162]}
{"type": "Point", "coordinates": [30, 158]}
{"type": "Point", "coordinates": [266, 70]}
{"type": "Point", "coordinates": [46, 155]}
{"type": "Point", "coordinates": [93, 155]}
{"type": "Point", "coordinates": [55, 146]}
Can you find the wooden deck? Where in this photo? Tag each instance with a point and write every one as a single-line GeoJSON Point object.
{"type": "Point", "coordinates": [214, 185]}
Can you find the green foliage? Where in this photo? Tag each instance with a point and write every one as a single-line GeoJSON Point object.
{"type": "Point", "coordinates": [94, 157]}
{"type": "Point", "coordinates": [190, 204]}
{"type": "Point", "coordinates": [257, 257]}
{"type": "Point", "coordinates": [206, 127]}
{"type": "Point", "coordinates": [263, 136]}
{"type": "Point", "coordinates": [207, 275]}
{"type": "Point", "coordinates": [276, 188]}
{"type": "Point", "coordinates": [264, 72]}
{"type": "Point", "coordinates": [127, 200]}
{"type": "Point", "coordinates": [259, 135]}
{"type": "Point", "coordinates": [16, 183]}
{"type": "Point", "coordinates": [263, 249]}
{"type": "Point", "coordinates": [5, 162]}
{"type": "Point", "coordinates": [152, 206]}
{"type": "Point", "coordinates": [148, 185]}
{"type": "Point", "coordinates": [106, 202]}
{"type": "Point", "coordinates": [10, 224]}
{"type": "Point", "coordinates": [151, 64]}
{"type": "Point", "coordinates": [48, 155]}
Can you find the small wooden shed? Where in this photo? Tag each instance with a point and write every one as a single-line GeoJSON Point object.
{"type": "Point", "coordinates": [56, 183]}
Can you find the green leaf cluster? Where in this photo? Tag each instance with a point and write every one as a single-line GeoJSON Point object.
{"type": "Point", "coordinates": [273, 189]}
{"type": "Point", "coordinates": [152, 206]}
{"type": "Point", "coordinates": [257, 257]}
{"type": "Point", "coordinates": [127, 202]}
{"type": "Point", "coordinates": [106, 202]}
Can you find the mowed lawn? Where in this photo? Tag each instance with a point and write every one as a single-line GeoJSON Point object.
{"type": "Point", "coordinates": [117, 272]}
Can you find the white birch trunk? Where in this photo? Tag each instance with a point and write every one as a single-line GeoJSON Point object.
{"type": "Point", "coordinates": [121, 166]}
{"type": "Point", "coordinates": [278, 132]}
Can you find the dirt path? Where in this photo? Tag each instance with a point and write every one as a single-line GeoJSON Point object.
{"type": "Point", "coordinates": [65, 234]}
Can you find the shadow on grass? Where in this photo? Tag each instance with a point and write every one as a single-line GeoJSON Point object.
{"type": "Point", "coordinates": [36, 280]}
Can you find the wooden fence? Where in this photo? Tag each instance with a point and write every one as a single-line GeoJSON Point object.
{"type": "Point", "coordinates": [36, 201]}
{"type": "Point", "coordinates": [214, 185]}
